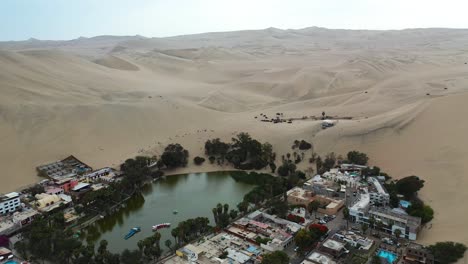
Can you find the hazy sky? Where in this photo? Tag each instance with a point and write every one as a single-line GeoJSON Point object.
{"type": "Point", "coordinates": [67, 19]}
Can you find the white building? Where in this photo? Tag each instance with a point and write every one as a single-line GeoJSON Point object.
{"type": "Point", "coordinates": [378, 194]}
{"type": "Point", "coordinates": [9, 203]}
{"type": "Point", "coordinates": [318, 258]}
{"type": "Point", "coordinates": [409, 226]}
{"type": "Point", "coordinates": [358, 211]}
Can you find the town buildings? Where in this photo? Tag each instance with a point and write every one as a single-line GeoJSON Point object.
{"type": "Point", "coordinates": [280, 232]}
{"type": "Point", "coordinates": [9, 203]}
{"type": "Point", "coordinates": [210, 249]}
{"type": "Point", "coordinates": [362, 212]}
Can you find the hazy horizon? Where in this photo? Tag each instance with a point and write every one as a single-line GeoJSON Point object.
{"type": "Point", "coordinates": [64, 20]}
{"type": "Point", "coordinates": [236, 30]}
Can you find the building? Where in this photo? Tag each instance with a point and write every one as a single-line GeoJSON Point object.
{"type": "Point", "coordinates": [209, 250]}
{"type": "Point", "coordinates": [330, 206]}
{"type": "Point", "coordinates": [104, 174]}
{"type": "Point", "coordinates": [352, 167]}
{"type": "Point", "coordinates": [417, 254]}
{"type": "Point", "coordinates": [333, 248]}
{"type": "Point", "coordinates": [262, 225]}
{"type": "Point", "coordinates": [300, 196]}
{"type": "Point", "coordinates": [189, 252]}
{"type": "Point", "coordinates": [238, 256]}
{"type": "Point", "coordinates": [319, 258]}
{"type": "Point", "coordinates": [392, 220]}
{"type": "Point", "coordinates": [63, 168]}
{"type": "Point", "coordinates": [66, 184]}
{"type": "Point", "coordinates": [10, 224]}
{"type": "Point", "coordinates": [48, 202]}
{"type": "Point", "coordinates": [362, 212]}
{"type": "Point", "coordinates": [9, 203]}
{"type": "Point", "coordinates": [355, 240]}
{"type": "Point", "coordinates": [358, 211]}
{"type": "Point", "coordinates": [80, 189]}
{"type": "Point", "coordinates": [54, 190]}
{"type": "Point", "coordinates": [378, 194]}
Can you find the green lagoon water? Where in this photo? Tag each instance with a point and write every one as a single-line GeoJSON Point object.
{"type": "Point", "coordinates": [192, 195]}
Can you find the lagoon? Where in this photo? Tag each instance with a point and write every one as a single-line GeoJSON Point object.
{"type": "Point", "coordinates": [192, 195]}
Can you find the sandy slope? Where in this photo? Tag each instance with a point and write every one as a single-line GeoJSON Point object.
{"type": "Point", "coordinates": [108, 98]}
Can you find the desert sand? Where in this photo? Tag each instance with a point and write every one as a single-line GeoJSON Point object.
{"type": "Point", "coordinates": [108, 98]}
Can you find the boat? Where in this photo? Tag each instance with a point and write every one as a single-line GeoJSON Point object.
{"type": "Point", "coordinates": [160, 226]}
{"type": "Point", "coordinates": [175, 212]}
{"type": "Point", "coordinates": [132, 232]}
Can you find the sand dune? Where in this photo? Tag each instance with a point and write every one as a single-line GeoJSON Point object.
{"type": "Point", "coordinates": [108, 98]}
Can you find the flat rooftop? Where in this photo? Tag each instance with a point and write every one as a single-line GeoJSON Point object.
{"type": "Point", "coordinates": [333, 244]}
{"type": "Point", "coordinates": [388, 213]}
{"type": "Point", "coordinates": [376, 186]}
{"type": "Point", "coordinates": [362, 203]}
{"type": "Point", "coordinates": [9, 196]}
{"type": "Point", "coordinates": [319, 258]}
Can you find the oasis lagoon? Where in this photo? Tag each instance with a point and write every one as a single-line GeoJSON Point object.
{"type": "Point", "coordinates": [191, 195]}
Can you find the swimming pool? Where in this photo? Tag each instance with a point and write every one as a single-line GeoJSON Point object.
{"type": "Point", "coordinates": [389, 256]}
{"type": "Point", "coordinates": [11, 262]}
{"type": "Point", "coordinates": [405, 204]}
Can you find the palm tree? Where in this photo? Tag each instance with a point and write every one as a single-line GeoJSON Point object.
{"type": "Point", "coordinates": [215, 214]}
{"type": "Point", "coordinates": [346, 216]}
{"type": "Point", "coordinates": [379, 225]}
{"type": "Point", "coordinates": [174, 233]}
{"type": "Point", "coordinates": [372, 222]}
{"type": "Point", "coordinates": [168, 244]}
{"type": "Point", "coordinates": [219, 208]}
{"type": "Point", "coordinates": [313, 207]}
{"type": "Point", "coordinates": [397, 233]}
{"type": "Point", "coordinates": [364, 228]}
{"type": "Point", "coordinates": [233, 214]}
{"type": "Point", "coordinates": [226, 208]}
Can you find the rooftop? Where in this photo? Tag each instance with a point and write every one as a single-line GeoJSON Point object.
{"type": "Point", "coordinates": [362, 203]}
{"type": "Point", "coordinates": [319, 258]}
{"type": "Point", "coordinates": [64, 167]}
{"type": "Point", "coordinates": [333, 244]}
{"type": "Point", "coordinates": [376, 186]}
{"type": "Point", "coordinates": [300, 193]}
{"type": "Point", "coordinates": [416, 246]}
{"type": "Point", "coordinates": [4, 251]}
{"type": "Point", "coordinates": [9, 196]}
{"type": "Point", "coordinates": [411, 221]}
{"type": "Point", "coordinates": [80, 186]}
{"type": "Point", "coordinates": [237, 256]}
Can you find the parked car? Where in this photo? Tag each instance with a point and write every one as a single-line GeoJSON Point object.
{"type": "Point", "coordinates": [296, 249]}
